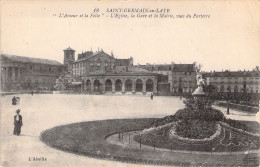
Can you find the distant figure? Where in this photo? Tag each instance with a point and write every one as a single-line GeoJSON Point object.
{"type": "Point", "coordinates": [18, 123]}
{"type": "Point", "coordinates": [32, 93]}
{"type": "Point", "coordinates": [17, 100]}
{"type": "Point", "coordinates": [14, 100]}
{"type": "Point", "coordinates": [151, 96]}
{"type": "Point", "coordinates": [228, 108]}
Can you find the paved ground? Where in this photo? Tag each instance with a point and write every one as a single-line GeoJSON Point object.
{"type": "Point", "coordinates": [41, 112]}
{"type": "Point", "coordinates": [234, 114]}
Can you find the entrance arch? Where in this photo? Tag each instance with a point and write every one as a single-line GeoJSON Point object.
{"type": "Point", "coordinates": [118, 85]}
{"type": "Point", "coordinates": [128, 85]}
{"type": "Point", "coordinates": [149, 85]}
{"type": "Point", "coordinates": [97, 86]}
{"type": "Point", "coordinates": [139, 85]}
{"type": "Point", "coordinates": [88, 85]}
{"type": "Point", "coordinates": [108, 86]}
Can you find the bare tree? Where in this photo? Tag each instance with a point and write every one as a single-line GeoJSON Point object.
{"type": "Point", "coordinates": [256, 68]}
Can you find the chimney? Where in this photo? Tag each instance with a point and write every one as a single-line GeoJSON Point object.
{"type": "Point", "coordinates": [112, 54]}
{"type": "Point", "coordinates": [172, 65]}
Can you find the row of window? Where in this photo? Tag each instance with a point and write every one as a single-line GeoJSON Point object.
{"type": "Point", "coordinates": [232, 79]}
{"type": "Point", "coordinates": [235, 89]}
{"type": "Point", "coordinates": [184, 80]}
{"type": "Point", "coordinates": [183, 73]}
{"type": "Point", "coordinates": [43, 68]}
{"type": "Point", "coordinates": [222, 82]}
{"type": "Point", "coordinates": [91, 64]}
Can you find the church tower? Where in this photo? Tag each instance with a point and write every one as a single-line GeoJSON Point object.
{"type": "Point", "coordinates": [69, 56]}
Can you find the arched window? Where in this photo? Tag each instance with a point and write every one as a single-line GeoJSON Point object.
{"type": "Point", "coordinates": [108, 85]}
{"type": "Point", "coordinates": [118, 85]}
{"type": "Point", "coordinates": [149, 85]}
{"type": "Point", "coordinates": [128, 85]}
{"type": "Point", "coordinates": [139, 85]}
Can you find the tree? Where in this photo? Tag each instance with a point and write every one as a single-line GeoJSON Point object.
{"type": "Point", "coordinates": [256, 68]}
{"type": "Point", "coordinates": [210, 89]}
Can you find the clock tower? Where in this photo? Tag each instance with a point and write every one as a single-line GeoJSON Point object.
{"type": "Point", "coordinates": [69, 56]}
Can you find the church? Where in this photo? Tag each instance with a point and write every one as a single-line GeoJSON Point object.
{"type": "Point", "coordinates": [20, 73]}
{"type": "Point", "coordinates": [100, 72]}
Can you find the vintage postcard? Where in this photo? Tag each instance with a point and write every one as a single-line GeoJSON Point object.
{"type": "Point", "coordinates": [129, 83]}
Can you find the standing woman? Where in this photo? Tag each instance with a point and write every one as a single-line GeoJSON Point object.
{"type": "Point", "coordinates": [18, 123]}
{"type": "Point", "coordinates": [14, 100]}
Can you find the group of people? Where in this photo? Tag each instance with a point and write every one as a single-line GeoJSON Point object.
{"type": "Point", "coordinates": [15, 100]}
{"type": "Point", "coordinates": [18, 119]}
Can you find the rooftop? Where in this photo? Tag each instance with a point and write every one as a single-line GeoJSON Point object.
{"type": "Point", "coordinates": [183, 68]}
{"type": "Point", "coordinates": [90, 56]}
{"type": "Point", "coordinates": [68, 49]}
{"type": "Point", "coordinates": [232, 74]}
{"type": "Point", "coordinates": [24, 59]}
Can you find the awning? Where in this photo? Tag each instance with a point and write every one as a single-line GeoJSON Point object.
{"type": "Point", "coordinates": [76, 83]}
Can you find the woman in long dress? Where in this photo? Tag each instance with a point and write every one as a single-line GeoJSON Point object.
{"type": "Point", "coordinates": [18, 123]}
{"type": "Point", "coordinates": [14, 100]}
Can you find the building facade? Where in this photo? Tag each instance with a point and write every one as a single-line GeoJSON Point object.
{"type": "Point", "coordinates": [100, 72]}
{"type": "Point", "coordinates": [234, 81]}
{"type": "Point", "coordinates": [181, 77]}
{"type": "Point", "coordinates": [22, 73]}
{"type": "Point", "coordinates": [89, 62]}
{"type": "Point", "coordinates": [124, 80]}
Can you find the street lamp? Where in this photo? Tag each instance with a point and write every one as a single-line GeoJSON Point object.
{"type": "Point", "coordinates": [228, 98]}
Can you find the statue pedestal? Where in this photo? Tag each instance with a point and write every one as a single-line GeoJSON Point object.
{"type": "Point", "coordinates": [199, 92]}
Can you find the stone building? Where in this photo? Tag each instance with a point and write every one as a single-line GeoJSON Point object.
{"type": "Point", "coordinates": [22, 73]}
{"type": "Point", "coordinates": [122, 79]}
{"type": "Point", "coordinates": [102, 73]}
{"type": "Point", "coordinates": [89, 61]}
{"type": "Point", "coordinates": [234, 81]}
{"type": "Point", "coordinates": [181, 77]}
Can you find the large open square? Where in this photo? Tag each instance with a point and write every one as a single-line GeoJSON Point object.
{"type": "Point", "coordinates": [41, 112]}
{"type": "Point", "coordinates": [44, 111]}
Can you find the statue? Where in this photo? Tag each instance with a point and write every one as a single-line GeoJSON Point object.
{"type": "Point", "coordinates": [200, 83]}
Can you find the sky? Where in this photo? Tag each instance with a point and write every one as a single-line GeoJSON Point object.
{"type": "Point", "coordinates": [228, 39]}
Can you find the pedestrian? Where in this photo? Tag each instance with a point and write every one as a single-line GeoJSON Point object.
{"type": "Point", "coordinates": [151, 96]}
{"type": "Point", "coordinates": [18, 123]}
{"type": "Point", "coordinates": [17, 100]}
{"type": "Point", "coordinates": [32, 93]}
{"type": "Point", "coordinates": [228, 108]}
{"type": "Point", "coordinates": [14, 100]}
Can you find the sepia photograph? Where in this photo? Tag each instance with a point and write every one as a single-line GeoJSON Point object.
{"type": "Point", "coordinates": [129, 83]}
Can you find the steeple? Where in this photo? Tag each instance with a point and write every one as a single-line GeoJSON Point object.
{"type": "Point", "coordinates": [69, 56]}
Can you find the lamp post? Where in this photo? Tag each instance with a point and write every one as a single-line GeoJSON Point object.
{"type": "Point", "coordinates": [228, 98]}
